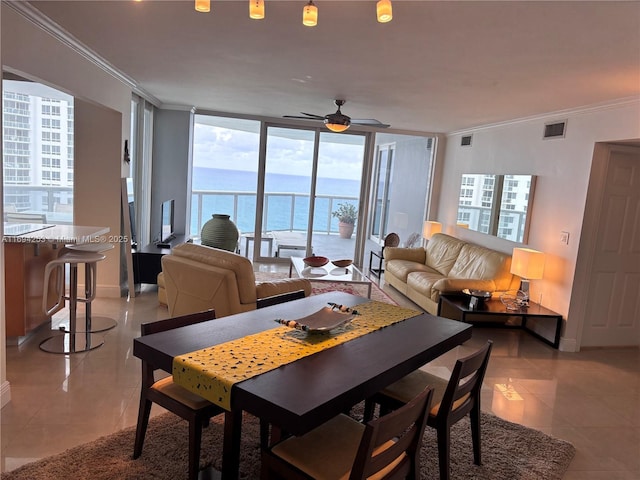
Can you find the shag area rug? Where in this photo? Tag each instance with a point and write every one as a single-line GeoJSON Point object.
{"type": "Point", "coordinates": [509, 451]}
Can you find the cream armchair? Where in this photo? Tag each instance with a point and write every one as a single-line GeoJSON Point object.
{"type": "Point", "coordinates": [197, 278]}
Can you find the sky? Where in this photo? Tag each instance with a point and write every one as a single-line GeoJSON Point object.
{"type": "Point", "coordinates": [219, 147]}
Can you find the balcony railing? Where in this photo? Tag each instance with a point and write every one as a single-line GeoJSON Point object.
{"type": "Point", "coordinates": [283, 211]}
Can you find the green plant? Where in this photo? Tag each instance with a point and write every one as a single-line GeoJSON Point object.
{"type": "Point", "coordinates": [346, 213]}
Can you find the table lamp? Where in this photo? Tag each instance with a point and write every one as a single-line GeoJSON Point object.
{"type": "Point", "coordinates": [430, 229]}
{"type": "Point", "coordinates": [527, 264]}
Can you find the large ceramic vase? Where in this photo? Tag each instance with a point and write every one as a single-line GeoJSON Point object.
{"type": "Point", "coordinates": [220, 232]}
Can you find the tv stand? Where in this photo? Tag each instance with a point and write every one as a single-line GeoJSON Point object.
{"type": "Point", "coordinates": [147, 261]}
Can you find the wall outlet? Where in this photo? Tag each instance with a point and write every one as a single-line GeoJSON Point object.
{"type": "Point", "coordinates": [564, 238]}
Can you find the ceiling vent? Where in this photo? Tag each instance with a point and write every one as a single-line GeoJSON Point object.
{"type": "Point", "coordinates": [465, 141]}
{"type": "Point", "coordinates": [555, 130]}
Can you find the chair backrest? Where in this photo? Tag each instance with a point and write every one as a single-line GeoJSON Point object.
{"type": "Point", "coordinates": [463, 389]}
{"type": "Point", "coordinates": [277, 299]}
{"type": "Point", "coordinates": [169, 324]}
{"type": "Point", "coordinates": [390, 445]}
{"type": "Point", "coordinates": [13, 217]}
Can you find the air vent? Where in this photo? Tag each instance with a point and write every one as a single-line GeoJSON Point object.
{"type": "Point", "coordinates": [465, 141]}
{"type": "Point", "coordinates": [555, 130]}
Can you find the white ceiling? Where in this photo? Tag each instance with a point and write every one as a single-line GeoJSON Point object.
{"type": "Point", "coordinates": [437, 67]}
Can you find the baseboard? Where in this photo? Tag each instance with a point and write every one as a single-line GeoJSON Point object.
{"type": "Point", "coordinates": [5, 393]}
{"type": "Point", "coordinates": [568, 345]}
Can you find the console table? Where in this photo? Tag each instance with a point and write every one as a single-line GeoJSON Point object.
{"type": "Point", "coordinates": [494, 313]}
{"type": "Point", "coordinates": [147, 261]}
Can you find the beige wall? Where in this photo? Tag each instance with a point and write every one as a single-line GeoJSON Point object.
{"type": "Point", "coordinates": [102, 125]}
{"type": "Point", "coordinates": [562, 166]}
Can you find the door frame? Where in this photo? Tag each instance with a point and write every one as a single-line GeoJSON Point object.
{"type": "Point", "coordinates": [588, 240]}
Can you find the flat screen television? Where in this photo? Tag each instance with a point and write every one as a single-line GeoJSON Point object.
{"type": "Point", "coordinates": [167, 231]}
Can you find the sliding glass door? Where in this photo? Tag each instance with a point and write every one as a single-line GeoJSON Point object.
{"type": "Point", "coordinates": [308, 175]}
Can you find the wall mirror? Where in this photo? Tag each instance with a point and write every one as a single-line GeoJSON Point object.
{"type": "Point", "coordinates": [498, 205]}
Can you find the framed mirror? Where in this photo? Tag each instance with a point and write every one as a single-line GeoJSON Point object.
{"type": "Point", "coordinates": [498, 205]}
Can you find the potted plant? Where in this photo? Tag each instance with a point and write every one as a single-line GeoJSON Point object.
{"type": "Point", "coordinates": [346, 215]}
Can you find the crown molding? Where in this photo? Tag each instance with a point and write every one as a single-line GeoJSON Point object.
{"type": "Point", "coordinates": [43, 22]}
{"type": "Point", "coordinates": [553, 115]}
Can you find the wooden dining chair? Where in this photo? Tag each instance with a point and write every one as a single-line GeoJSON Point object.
{"type": "Point", "coordinates": [452, 400]}
{"type": "Point", "coordinates": [189, 406]}
{"type": "Point", "coordinates": [385, 448]}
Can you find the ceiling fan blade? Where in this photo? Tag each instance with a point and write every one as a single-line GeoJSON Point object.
{"type": "Point", "coordinates": [309, 116]}
{"type": "Point", "coordinates": [369, 121]}
{"type": "Point", "coordinates": [313, 115]}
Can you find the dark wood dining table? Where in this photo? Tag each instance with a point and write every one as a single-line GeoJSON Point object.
{"type": "Point", "coordinates": [302, 395]}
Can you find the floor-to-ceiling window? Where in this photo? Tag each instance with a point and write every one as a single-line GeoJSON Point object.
{"type": "Point", "coordinates": [38, 127]}
{"type": "Point", "coordinates": [401, 186]}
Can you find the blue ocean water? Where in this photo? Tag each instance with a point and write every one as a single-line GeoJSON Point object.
{"type": "Point", "coordinates": [287, 205]}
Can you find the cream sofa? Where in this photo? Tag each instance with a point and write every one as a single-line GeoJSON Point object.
{"type": "Point", "coordinates": [196, 277]}
{"type": "Point", "coordinates": [446, 265]}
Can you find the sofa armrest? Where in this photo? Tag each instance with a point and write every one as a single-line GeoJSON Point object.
{"type": "Point", "coordinates": [459, 284]}
{"type": "Point", "coordinates": [399, 253]}
{"type": "Point", "coordinates": [286, 285]}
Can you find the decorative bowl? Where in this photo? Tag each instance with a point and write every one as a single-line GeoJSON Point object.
{"type": "Point", "coordinates": [315, 261]}
{"type": "Point", "coordinates": [514, 300]}
{"type": "Point", "coordinates": [342, 263]}
{"type": "Point", "coordinates": [481, 295]}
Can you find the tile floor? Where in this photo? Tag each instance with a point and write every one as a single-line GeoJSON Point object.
{"type": "Point", "coordinates": [591, 398]}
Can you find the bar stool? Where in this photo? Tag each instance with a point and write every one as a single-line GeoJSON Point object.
{"type": "Point", "coordinates": [93, 324]}
{"type": "Point", "coordinates": [71, 341]}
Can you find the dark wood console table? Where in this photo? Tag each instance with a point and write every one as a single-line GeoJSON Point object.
{"type": "Point", "coordinates": [533, 318]}
{"type": "Point", "coordinates": [147, 261]}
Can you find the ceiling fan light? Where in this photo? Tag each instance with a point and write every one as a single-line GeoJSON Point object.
{"type": "Point", "coordinates": [310, 14]}
{"type": "Point", "coordinates": [203, 6]}
{"type": "Point", "coordinates": [384, 11]}
{"type": "Point", "coordinates": [256, 9]}
{"type": "Point", "coordinates": [337, 125]}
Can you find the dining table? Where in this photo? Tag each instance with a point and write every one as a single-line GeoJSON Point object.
{"type": "Point", "coordinates": [304, 393]}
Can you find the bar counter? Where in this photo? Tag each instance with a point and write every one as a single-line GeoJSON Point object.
{"type": "Point", "coordinates": [27, 250]}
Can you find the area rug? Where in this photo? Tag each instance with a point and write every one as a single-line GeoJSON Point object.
{"type": "Point", "coordinates": [509, 451]}
{"type": "Point", "coordinates": [323, 287]}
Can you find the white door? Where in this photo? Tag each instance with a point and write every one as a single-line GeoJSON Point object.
{"type": "Point", "coordinates": [612, 313]}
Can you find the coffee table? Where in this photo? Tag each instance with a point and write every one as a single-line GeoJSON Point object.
{"type": "Point", "coordinates": [330, 273]}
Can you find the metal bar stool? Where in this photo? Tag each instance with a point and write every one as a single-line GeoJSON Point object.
{"type": "Point", "coordinates": [71, 341]}
{"type": "Point", "coordinates": [93, 324]}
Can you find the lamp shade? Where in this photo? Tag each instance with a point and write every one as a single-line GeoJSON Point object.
{"type": "Point", "coordinates": [431, 228]}
{"type": "Point", "coordinates": [527, 263]}
{"type": "Point", "coordinates": [337, 127]}
{"type": "Point", "coordinates": [203, 5]}
{"type": "Point", "coordinates": [310, 15]}
{"type": "Point", "coordinates": [384, 11]}
{"type": "Point", "coordinates": [256, 9]}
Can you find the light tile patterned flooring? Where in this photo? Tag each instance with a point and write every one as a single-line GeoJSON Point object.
{"type": "Point", "coordinates": [591, 398]}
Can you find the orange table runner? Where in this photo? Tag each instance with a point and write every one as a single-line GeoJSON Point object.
{"type": "Point", "coordinates": [211, 372]}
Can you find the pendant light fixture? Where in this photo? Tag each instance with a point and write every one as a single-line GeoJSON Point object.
{"type": "Point", "coordinates": [384, 11]}
{"type": "Point", "coordinates": [256, 9]}
{"type": "Point", "coordinates": [203, 6]}
{"type": "Point", "coordinates": [310, 14]}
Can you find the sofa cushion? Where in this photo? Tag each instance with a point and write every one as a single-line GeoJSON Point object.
{"type": "Point", "coordinates": [476, 262]}
{"type": "Point", "coordinates": [442, 252]}
{"type": "Point", "coordinates": [402, 268]}
{"type": "Point", "coordinates": [423, 282]}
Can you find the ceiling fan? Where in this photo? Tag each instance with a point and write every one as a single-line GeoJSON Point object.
{"type": "Point", "coordinates": [338, 121]}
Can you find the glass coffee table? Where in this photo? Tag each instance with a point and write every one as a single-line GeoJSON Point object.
{"type": "Point", "coordinates": [330, 273]}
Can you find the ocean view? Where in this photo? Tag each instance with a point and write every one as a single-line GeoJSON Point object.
{"type": "Point", "coordinates": [287, 205]}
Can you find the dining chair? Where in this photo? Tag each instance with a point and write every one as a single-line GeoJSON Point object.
{"type": "Point", "coordinates": [452, 401]}
{"type": "Point", "coordinates": [343, 448]}
{"type": "Point", "coordinates": [189, 406]}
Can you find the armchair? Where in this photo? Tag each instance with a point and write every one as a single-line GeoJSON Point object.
{"type": "Point", "coordinates": [198, 278]}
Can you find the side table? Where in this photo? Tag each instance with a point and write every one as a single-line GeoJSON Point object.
{"type": "Point", "coordinates": [147, 261]}
{"type": "Point", "coordinates": [378, 254]}
{"type": "Point", "coordinates": [456, 307]}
